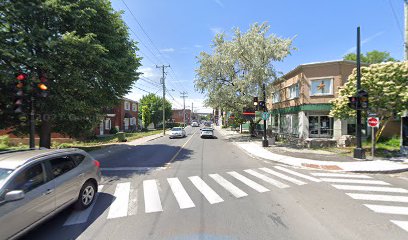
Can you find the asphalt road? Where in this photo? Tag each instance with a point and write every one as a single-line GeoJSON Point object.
{"type": "Point", "coordinates": [193, 188]}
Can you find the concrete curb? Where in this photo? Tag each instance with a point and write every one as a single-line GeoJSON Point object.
{"type": "Point", "coordinates": [376, 166]}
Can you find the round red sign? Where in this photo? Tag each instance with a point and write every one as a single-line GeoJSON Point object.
{"type": "Point", "coordinates": [373, 122]}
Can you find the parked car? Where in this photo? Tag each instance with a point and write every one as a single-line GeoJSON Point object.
{"type": "Point", "coordinates": [177, 132]}
{"type": "Point", "coordinates": [207, 133]}
{"type": "Point", "coordinates": [37, 184]}
{"type": "Point", "coordinates": [195, 124]}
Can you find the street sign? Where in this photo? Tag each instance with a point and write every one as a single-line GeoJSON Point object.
{"type": "Point", "coordinates": [265, 115]}
{"type": "Point", "coordinates": [373, 122]}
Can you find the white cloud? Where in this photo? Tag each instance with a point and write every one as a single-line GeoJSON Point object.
{"type": "Point", "coordinates": [216, 30]}
{"type": "Point", "coordinates": [364, 41]}
{"type": "Point", "coordinates": [167, 50]}
{"type": "Point", "coordinates": [219, 2]}
{"type": "Point", "coordinates": [149, 72]}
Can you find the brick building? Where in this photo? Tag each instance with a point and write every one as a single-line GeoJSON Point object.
{"type": "Point", "coordinates": [124, 117]}
{"type": "Point", "coordinates": [177, 115]}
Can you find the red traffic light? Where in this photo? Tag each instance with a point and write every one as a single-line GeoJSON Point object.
{"type": "Point", "coordinates": [21, 77]}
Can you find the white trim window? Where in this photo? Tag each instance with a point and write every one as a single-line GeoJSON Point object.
{"type": "Point", "coordinates": [276, 97]}
{"type": "Point", "coordinates": [321, 87]}
{"type": "Point", "coordinates": [134, 107]}
{"type": "Point", "coordinates": [127, 105]}
{"type": "Point", "coordinates": [108, 123]}
{"type": "Point", "coordinates": [293, 91]}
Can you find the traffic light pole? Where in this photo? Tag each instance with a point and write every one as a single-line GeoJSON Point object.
{"type": "Point", "coordinates": [32, 121]}
{"type": "Point", "coordinates": [359, 152]}
{"type": "Point", "coordinates": [265, 139]}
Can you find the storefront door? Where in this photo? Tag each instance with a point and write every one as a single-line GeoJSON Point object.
{"type": "Point", "coordinates": [320, 127]}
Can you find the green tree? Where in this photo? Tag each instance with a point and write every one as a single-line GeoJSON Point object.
{"type": "Point", "coordinates": [84, 50]}
{"type": "Point", "coordinates": [155, 105]}
{"type": "Point", "coordinates": [234, 72]}
{"type": "Point", "coordinates": [387, 86]}
{"type": "Point", "coordinates": [146, 114]}
{"type": "Point", "coordinates": [371, 57]}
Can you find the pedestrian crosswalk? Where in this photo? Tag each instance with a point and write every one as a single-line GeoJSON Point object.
{"type": "Point", "coordinates": [213, 189]}
{"type": "Point", "coordinates": [378, 196]}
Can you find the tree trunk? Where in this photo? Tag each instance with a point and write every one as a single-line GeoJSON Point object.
{"type": "Point", "coordinates": [45, 134]}
{"type": "Point", "coordinates": [378, 135]}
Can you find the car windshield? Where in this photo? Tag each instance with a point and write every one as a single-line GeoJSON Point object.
{"type": "Point", "coordinates": [4, 173]}
{"type": "Point", "coordinates": [176, 129]}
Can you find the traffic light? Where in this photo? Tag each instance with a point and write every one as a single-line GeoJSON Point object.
{"type": "Point", "coordinates": [261, 104]}
{"type": "Point", "coordinates": [363, 96]}
{"type": "Point", "coordinates": [352, 102]}
{"type": "Point", "coordinates": [42, 87]}
{"type": "Point", "coordinates": [256, 103]}
{"type": "Point", "coordinates": [19, 95]}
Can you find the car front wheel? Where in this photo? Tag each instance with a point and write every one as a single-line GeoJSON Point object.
{"type": "Point", "coordinates": [86, 196]}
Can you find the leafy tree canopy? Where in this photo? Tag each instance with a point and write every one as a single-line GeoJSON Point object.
{"type": "Point", "coordinates": [154, 104]}
{"type": "Point", "coordinates": [235, 70]}
{"type": "Point", "coordinates": [371, 57]}
{"type": "Point", "coordinates": [83, 49]}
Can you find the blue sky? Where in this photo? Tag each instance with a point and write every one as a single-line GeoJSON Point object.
{"type": "Point", "coordinates": [177, 30]}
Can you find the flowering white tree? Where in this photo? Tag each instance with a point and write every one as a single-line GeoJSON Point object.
{"type": "Point", "coordinates": [236, 69]}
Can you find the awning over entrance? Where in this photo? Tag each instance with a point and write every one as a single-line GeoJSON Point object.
{"type": "Point", "coordinates": [306, 107]}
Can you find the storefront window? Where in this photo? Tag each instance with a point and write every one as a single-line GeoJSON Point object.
{"type": "Point", "coordinates": [320, 126]}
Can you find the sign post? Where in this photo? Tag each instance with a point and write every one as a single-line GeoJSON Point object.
{"type": "Point", "coordinates": [373, 122]}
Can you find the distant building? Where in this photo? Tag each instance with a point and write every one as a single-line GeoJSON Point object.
{"type": "Point", "coordinates": [177, 115]}
{"type": "Point", "coordinates": [124, 117]}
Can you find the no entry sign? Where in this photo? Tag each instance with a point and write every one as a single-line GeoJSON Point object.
{"type": "Point", "coordinates": [373, 122]}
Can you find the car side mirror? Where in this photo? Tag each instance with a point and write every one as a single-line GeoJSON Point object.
{"type": "Point", "coordinates": [14, 195]}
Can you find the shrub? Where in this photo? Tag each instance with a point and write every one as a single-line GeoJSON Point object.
{"type": "Point", "coordinates": [4, 140]}
{"type": "Point", "coordinates": [113, 130]}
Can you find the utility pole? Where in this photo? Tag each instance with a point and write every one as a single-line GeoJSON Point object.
{"type": "Point", "coordinates": [406, 29]}
{"type": "Point", "coordinates": [358, 151]}
{"type": "Point", "coordinates": [184, 95]}
{"type": "Point", "coordinates": [164, 95]}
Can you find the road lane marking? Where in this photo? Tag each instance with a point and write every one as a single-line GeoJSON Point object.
{"type": "Point", "coordinates": [401, 224]}
{"type": "Point", "coordinates": [298, 174]}
{"type": "Point", "coordinates": [266, 179]}
{"type": "Point", "coordinates": [369, 188]}
{"type": "Point", "coordinates": [249, 182]}
{"type": "Point", "coordinates": [132, 210]}
{"type": "Point", "coordinates": [208, 193]}
{"type": "Point", "coordinates": [180, 193]}
{"type": "Point", "coordinates": [238, 193]}
{"type": "Point", "coordinates": [178, 152]}
{"type": "Point", "coordinates": [283, 176]}
{"type": "Point", "coordinates": [388, 209]}
{"type": "Point", "coordinates": [345, 175]}
{"type": "Point", "coordinates": [78, 217]}
{"type": "Point", "coordinates": [375, 197]}
{"type": "Point", "coordinates": [357, 181]}
{"type": "Point", "coordinates": [143, 169]}
{"type": "Point", "coordinates": [151, 197]}
{"type": "Point", "coordinates": [119, 206]}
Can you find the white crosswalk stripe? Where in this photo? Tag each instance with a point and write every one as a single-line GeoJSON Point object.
{"type": "Point", "coordinates": [401, 224]}
{"type": "Point", "coordinates": [283, 176]}
{"type": "Point", "coordinates": [375, 197]}
{"type": "Point", "coordinates": [298, 174]}
{"type": "Point", "coordinates": [249, 182]}
{"type": "Point", "coordinates": [370, 188]}
{"type": "Point", "coordinates": [151, 197]}
{"type": "Point", "coordinates": [208, 193]}
{"type": "Point", "coordinates": [266, 179]}
{"type": "Point", "coordinates": [119, 206]}
{"type": "Point", "coordinates": [357, 181]}
{"type": "Point", "coordinates": [78, 217]}
{"type": "Point", "coordinates": [180, 193]}
{"type": "Point", "coordinates": [238, 193]}
{"type": "Point", "coordinates": [388, 209]}
{"type": "Point", "coordinates": [344, 175]}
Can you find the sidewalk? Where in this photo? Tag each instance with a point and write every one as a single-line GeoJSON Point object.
{"type": "Point", "coordinates": [331, 160]}
{"type": "Point", "coordinates": [114, 147]}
